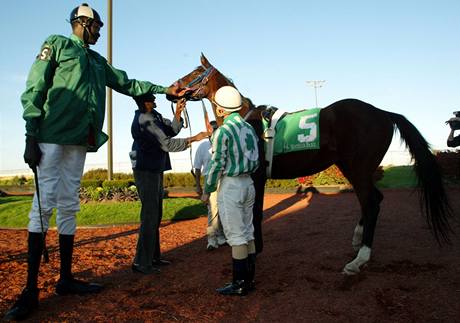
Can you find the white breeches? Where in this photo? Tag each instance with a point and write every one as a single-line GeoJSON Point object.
{"type": "Point", "coordinates": [235, 201]}
{"type": "Point", "coordinates": [59, 175]}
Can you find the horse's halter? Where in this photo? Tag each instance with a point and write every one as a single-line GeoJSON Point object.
{"type": "Point", "coordinates": [197, 85]}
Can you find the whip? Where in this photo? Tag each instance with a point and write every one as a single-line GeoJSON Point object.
{"type": "Point", "coordinates": [37, 189]}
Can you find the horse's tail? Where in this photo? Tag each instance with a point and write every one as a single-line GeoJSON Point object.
{"type": "Point", "coordinates": [433, 198]}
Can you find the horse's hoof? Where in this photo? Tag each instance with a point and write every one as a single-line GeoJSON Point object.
{"type": "Point", "coordinates": [350, 270]}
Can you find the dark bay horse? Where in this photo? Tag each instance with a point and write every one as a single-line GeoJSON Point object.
{"type": "Point", "coordinates": [355, 136]}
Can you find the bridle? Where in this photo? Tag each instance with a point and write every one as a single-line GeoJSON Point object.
{"type": "Point", "coordinates": [197, 84]}
{"type": "Point", "coordinates": [196, 87]}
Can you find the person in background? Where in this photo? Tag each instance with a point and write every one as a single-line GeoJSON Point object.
{"type": "Point", "coordinates": [153, 140]}
{"type": "Point", "coordinates": [234, 159]}
{"type": "Point", "coordinates": [214, 230]}
{"type": "Point", "coordinates": [64, 110]}
{"type": "Point", "coordinates": [454, 124]}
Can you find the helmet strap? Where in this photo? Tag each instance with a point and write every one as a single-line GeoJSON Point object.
{"type": "Point", "coordinates": [220, 112]}
{"type": "Point", "coordinates": [87, 29]}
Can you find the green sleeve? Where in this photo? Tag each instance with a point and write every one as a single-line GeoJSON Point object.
{"type": "Point", "coordinates": [119, 81]}
{"type": "Point", "coordinates": [38, 82]}
{"type": "Point", "coordinates": [216, 164]}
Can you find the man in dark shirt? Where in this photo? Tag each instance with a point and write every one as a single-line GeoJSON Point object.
{"type": "Point", "coordinates": [454, 124]}
{"type": "Point", "coordinates": [153, 141]}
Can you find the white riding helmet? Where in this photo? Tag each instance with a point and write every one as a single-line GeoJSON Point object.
{"type": "Point", "coordinates": [228, 98]}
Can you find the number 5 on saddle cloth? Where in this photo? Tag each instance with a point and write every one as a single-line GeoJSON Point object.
{"type": "Point", "coordinates": [288, 132]}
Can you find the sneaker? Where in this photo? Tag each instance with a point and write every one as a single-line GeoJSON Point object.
{"type": "Point", "coordinates": [74, 286]}
{"type": "Point", "coordinates": [211, 246]}
{"type": "Point", "coordinates": [26, 303]}
{"type": "Point", "coordinates": [146, 270]}
{"type": "Point", "coordinates": [235, 288]}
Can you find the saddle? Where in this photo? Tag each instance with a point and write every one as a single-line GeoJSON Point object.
{"type": "Point", "coordinates": [289, 132]}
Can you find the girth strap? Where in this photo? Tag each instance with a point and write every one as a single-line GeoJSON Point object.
{"type": "Point", "coordinates": [269, 137]}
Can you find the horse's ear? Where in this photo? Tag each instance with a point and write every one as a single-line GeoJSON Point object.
{"type": "Point", "coordinates": [204, 61]}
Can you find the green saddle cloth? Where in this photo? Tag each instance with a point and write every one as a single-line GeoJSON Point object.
{"type": "Point", "coordinates": [297, 131]}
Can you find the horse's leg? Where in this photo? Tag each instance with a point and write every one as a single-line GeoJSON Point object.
{"type": "Point", "coordinates": [257, 214]}
{"type": "Point", "coordinates": [370, 221]}
{"type": "Point", "coordinates": [369, 198]}
{"type": "Point", "coordinates": [357, 241]}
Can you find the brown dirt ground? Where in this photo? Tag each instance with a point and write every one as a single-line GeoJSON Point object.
{"type": "Point", "coordinates": [307, 243]}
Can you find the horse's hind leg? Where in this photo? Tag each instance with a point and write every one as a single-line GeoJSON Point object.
{"type": "Point", "coordinates": [369, 198]}
{"type": "Point", "coordinates": [357, 240]}
{"type": "Point", "coordinates": [257, 213]}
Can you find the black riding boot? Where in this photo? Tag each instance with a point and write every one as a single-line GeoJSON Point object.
{"type": "Point", "coordinates": [240, 273]}
{"type": "Point", "coordinates": [68, 285]}
{"type": "Point", "coordinates": [251, 284]}
{"type": "Point", "coordinates": [28, 300]}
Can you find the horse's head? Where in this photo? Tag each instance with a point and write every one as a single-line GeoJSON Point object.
{"type": "Point", "coordinates": [203, 81]}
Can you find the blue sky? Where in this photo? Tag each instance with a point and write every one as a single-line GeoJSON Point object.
{"type": "Point", "coordinates": [401, 56]}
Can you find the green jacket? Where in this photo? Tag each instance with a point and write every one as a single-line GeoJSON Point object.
{"type": "Point", "coordinates": [64, 100]}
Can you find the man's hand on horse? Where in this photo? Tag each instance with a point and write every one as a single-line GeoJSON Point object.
{"type": "Point", "coordinates": [202, 135]}
{"type": "Point", "coordinates": [180, 106]}
{"type": "Point", "coordinates": [176, 91]}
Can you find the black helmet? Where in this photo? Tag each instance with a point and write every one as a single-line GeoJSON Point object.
{"type": "Point", "coordinates": [84, 10]}
{"type": "Point", "coordinates": [143, 98]}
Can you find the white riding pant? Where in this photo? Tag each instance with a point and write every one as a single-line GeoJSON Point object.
{"type": "Point", "coordinates": [235, 201]}
{"type": "Point", "coordinates": [214, 230]}
{"type": "Point", "coordinates": [59, 176]}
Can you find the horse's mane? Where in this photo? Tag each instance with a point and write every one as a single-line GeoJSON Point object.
{"type": "Point", "coordinates": [251, 104]}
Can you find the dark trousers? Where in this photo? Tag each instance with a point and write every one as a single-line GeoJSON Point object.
{"type": "Point", "coordinates": [150, 189]}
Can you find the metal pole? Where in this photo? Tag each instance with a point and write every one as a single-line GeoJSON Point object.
{"type": "Point", "coordinates": [316, 97]}
{"type": "Point", "coordinates": [316, 84]}
{"type": "Point", "coordinates": [109, 94]}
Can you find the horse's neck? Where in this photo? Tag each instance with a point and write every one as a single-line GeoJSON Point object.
{"type": "Point", "coordinates": [252, 115]}
{"type": "Point", "coordinates": [248, 110]}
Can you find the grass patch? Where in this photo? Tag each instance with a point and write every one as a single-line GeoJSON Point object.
{"type": "Point", "coordinates": [14, 211]}
{"type": "Point", "coordinates": [398, 177]}
{"type": "Point", "coordinates": [11, 199]}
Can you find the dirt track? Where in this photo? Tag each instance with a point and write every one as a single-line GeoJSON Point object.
{"type": "Point", "coordinates": [307, 243]}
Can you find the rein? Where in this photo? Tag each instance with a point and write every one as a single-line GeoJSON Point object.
{"type": "Point", "coordinates": [187, 125]}
{"type": "Point", "coordinates": [186, 119]}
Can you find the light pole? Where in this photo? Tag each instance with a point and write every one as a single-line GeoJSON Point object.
{"type": "Point", "coordinates": [316, 84]}
{"type": "Point", "coordinates": [109, 94]}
